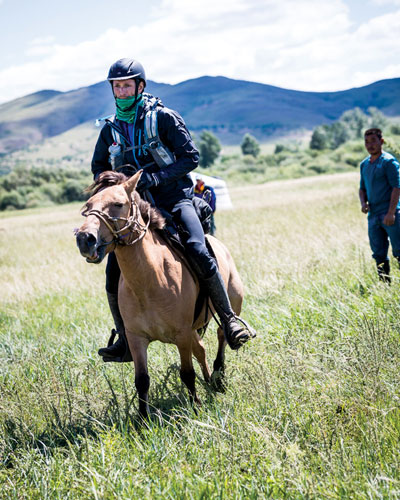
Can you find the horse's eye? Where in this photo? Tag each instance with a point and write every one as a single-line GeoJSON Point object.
{"type": "Point", "coordinates": [118, 205]}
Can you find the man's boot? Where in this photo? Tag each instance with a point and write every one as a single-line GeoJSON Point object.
{"type": "Point", "coordinates": [116, 351]}
{"type": "Point", "coordinates": [384, 271]}
{"type": "Point", "coordinates": [236, 331]}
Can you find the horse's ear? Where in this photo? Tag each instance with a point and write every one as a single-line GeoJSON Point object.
{"type": "Point", "coordinates": [131, 183]}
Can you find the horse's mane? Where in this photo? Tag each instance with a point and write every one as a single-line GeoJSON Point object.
{"type": "Point", "coordinates": [110, 178]}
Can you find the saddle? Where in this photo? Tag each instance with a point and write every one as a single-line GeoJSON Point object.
{"type": "Point", "coordinates": [173, 238]}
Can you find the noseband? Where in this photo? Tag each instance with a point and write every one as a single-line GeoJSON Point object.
{"type": "Point", "coordinates": [132, 225]}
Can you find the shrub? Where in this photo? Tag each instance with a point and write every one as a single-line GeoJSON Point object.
{"type": "Point", "coordinates": [356, 121]}
{"type": "Point", "coordinates": [319, 139]}
{"type": "Point", "coordinates": [354, 161]}
{"type": "Point", "coordinates": [72, 190]}
{"type": "Point", "coordinates": [52, 191]}
{"type": "Point", "coordinates": [250, 146]}
{"type": "Point", "coordinates": [209, 148]}
{"type": "Point", "coordinates": [228, 158]}
{"type": "Point", "coordinates": [35, 199]}
{"type": "Point", "coordinates": [395, 129]}
{"type": "Point", "coordinates": [377, 119]}
{"type": "Point", "coordinates": [268, 160]}
{"type": "Point", "coordinates": [12, 200]}
{"type": "Point", "coordinates": [318, 169]}
{"type": "Point", "coordinates": [339, 134]}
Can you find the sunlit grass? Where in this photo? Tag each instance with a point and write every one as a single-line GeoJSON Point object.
{"type": "Point", "coordinates": [312, 405]}
{"type": "Point", "coordinates": [38, 254]}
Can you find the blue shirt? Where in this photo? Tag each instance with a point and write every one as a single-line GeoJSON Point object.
{"type": "Point", "coordinates": [378, 179]}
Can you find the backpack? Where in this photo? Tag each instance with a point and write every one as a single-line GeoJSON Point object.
{"type": "Point", "coordinates": [160, 153]}
{"type": "Point", "coordinates": [204, 213]}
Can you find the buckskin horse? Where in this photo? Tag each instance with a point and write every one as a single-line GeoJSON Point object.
{"type": "Point", "coordinates": [157, 290]}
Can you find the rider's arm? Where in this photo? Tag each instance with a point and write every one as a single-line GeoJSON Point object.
{"type": "Point", "coordinates": [174, 134]}
{"type": "Point", "coordinates": [100, 158]}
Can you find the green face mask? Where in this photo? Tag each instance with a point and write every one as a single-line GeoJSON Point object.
{"type": "Point", "coordinates": [125, 112]}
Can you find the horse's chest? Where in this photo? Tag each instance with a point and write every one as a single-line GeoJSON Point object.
{"type": "Point", "coordinates": [155, 317]}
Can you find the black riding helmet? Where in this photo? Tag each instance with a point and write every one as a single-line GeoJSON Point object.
{"type": "Point", "coordinates": [127, 69]}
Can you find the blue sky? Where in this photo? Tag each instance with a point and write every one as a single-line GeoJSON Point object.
{"type": "Point", "coordinates": [318, 45]}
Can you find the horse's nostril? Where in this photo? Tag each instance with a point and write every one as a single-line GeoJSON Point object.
{"type": "Point", "coordinates": [85, 240]}
{"type": "Point", "coordinates": [91, 240]}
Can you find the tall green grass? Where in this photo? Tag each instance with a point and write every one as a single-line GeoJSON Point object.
{"type": "Point", "coordinates": [311, 408]}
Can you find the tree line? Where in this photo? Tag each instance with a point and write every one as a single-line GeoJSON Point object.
{"type": "Point", "coordinates": [210, 147]}
{"type": "Point", "coordinates": [29, 187]}
{"type": "Point", "coordinates": [351, 125]}
{"type": "Point", "coordinates": [26, 187]}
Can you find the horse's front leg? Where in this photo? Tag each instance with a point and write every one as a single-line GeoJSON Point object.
{"type": "Point", "coordinates": [200, 354]}
{"type": "Point", "coordinates": [187, 371]}
{"type": "Point", "coordinates": [138, 347]}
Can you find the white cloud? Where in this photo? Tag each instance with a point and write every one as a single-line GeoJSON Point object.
{"type": "Point", "coordinates": [300, 44]}
{"type": "Point", "coordinates": [394, 3]}
{"type": "Point", "coordinates": [41, 46]}
{"type": "Point", "coordinates": [42, 40]}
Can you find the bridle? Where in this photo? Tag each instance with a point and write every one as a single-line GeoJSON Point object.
{"type": "Point", "coordinates": [132, 225]}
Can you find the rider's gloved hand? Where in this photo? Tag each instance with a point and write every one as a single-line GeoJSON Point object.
{"type": "Point", "coordinates": [147, 181]}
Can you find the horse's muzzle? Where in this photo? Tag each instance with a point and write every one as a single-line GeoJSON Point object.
{"type": "Point", "coordinates": [89, 247]}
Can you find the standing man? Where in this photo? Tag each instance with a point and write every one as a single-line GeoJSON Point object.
{"type": "Point", "coordinates": [379, 196]}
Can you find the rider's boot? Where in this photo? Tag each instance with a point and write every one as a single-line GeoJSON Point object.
{"type": "Point", "coordinates": [236, 331]}
{"type": "Point", "coordinates": [384, 271]}
{"type": "Point", "coordinates": [116, 351]}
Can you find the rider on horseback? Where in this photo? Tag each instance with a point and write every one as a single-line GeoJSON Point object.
{"type": "Point", "coordinates": [170, 188]}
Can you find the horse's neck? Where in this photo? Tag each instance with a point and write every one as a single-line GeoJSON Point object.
{"type": "Point", "coordinates": [142, 262]}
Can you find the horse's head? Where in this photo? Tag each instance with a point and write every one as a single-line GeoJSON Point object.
{"type": "Point", "coordinates": [111, 215]}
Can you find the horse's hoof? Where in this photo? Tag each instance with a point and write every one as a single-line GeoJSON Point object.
{"type": "Point", "coordinates": [217, 381]}
{"type": "Point", "coordinates": [195, 403]}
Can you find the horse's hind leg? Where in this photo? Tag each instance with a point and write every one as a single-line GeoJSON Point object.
{"type": "Point", "coordinates": [200, 354]}
{"type": "Point", "coordinates": [187, 371]}
{"type": "Point", "coordinates": [218, 374]}
{"type": "Point", "coordinates": [235, 292]}
{"type": "Point", "coordinates": [219, 362]}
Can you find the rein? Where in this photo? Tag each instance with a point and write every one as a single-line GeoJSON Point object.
{"type": "Point", "coordinates": [132, 225]}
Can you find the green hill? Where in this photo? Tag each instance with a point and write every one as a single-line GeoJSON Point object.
{"type": "Point", "coordinates": [227, 107]}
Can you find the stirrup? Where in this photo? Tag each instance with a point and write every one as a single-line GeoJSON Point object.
{"type": "Point", "coordinates": [251, 330]}
{"type": "Point", "coordinates": [242, 337]}
{"type": "Point", "coordinates": [122, 358]}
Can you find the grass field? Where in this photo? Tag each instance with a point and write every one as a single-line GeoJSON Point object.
{"type": "Point", "coordinates": [311, 408]}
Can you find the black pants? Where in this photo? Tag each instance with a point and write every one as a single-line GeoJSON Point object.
{"type": "Point", "coordinates": [193, 239]}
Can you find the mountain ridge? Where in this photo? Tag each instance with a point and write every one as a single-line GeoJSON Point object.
{"type": "Point", "coordinates": [229, 108]}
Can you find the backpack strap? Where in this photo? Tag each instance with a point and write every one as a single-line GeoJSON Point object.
{"type": "Point", "coordinates": [118, 135]}
{"type": "Point", "coordinates": [162, 156]}
{"type": "Point", "coordinates": [160, 153]}
{"type": "Point", "coordinates": [115, 130]}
